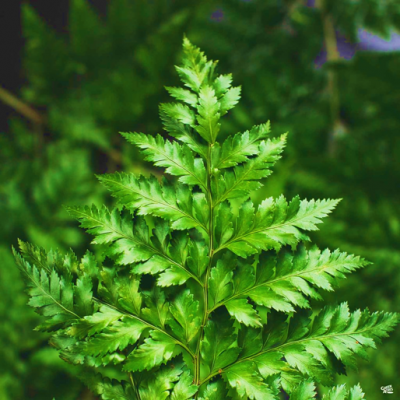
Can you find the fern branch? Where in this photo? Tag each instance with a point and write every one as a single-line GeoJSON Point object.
{"type": "Point", "coordinates": [235, 149]}
{"type": "Point", "coordinates": [27, 111]}
{"type": "Point", "coordinates": [169, 340]}
{"type": "Point", "coordinates": [244, 178]}
{"type": "Point", "coordinates": [342, 333]}
{"type": "Point", "coordinates": [151, 198]}
{"type": "Point", "coordinates": [286, 279]}
{"type": "Point", "coordinates": [108, 227]}
{"type": "Point", "coordinates": [276, 223]}
{"type": "Point", "coordinates": [134, 386]}
{"type": "Point", "coordinates": [179, 160]}
{"type": "Point", "coordinates": [150, 325]}
{"type": "Point", "coordinates": [51, 295]}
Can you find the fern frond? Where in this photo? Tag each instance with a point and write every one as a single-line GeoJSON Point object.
{"type": "Point", "coordinates": [125, 332]}
{"type": "Point", "coordinates": [186, 322]}
{"type": "Point", "coordinates": [275, 223]}
{"type": "Point", "coordinates": [106, 388]}
{"type": "Point", "coordinates": [232, 329]}
{"type": "Point", "coordinates": [219, 347]}
{"type": "Point", "coordinates": [236, 149]}
{"type": "Point", "coordinates": [208, 115]}
{"type": "Point", "coordinates": [341, 393]}
{"type": "Point", "coordinates": [167, 380]}
{"type": "Point", "coordinates": [180, 112]}
{"type": "Point", "coordinates": [196, 70]}
{"type": "Point", "coordinates": [230, 99]}
{"type": "Point", "coordinates": [248, 382]}
{"type": "Point", "coordinates": [95, 323]}
{"type": "Point", "coordinates": [280, 282]}
{"type": "Point", "coordinates": [184, 95]}
{"type": "Point", "coordinates": [129, 243]}
{"type": "Point", "coordinates": [50, 294]}
{"type": "Point", "coordinates": [184, 388]}
{"type": "Point", "coordinates": [173, 125]}
{"type": "Point", "coordinates": [179, 160]}
{"type": "Point", "coordinates": [245, 178]}
{"type": "Point", "coordinates": [155, 351]}
{"type": "Point", "coordinates": [214, 391]}
{"type": "Point", "coordinates": [182, 207]}
{"type": "Point", "coordinates": [221, 84]}
{"type": "Point", "coordinates": [64, 264]}
{"type": "Point", "coordinates": [308, 345]}
{"type": "Point", "coordinates": [305, 391]}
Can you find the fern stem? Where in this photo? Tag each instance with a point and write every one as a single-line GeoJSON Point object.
{"type": "Point", "coordinates": [24, 109]}
{"type": "Point", "coordinates": [134, 386]}
{"type": "Point", "coordinates": [332, 85]}
{"type": "Point", "coordinates": [210, 254]}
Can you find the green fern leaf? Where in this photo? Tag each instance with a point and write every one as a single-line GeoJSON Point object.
{"type": "Point", "coordinates": [179, 112]}
{"type": "Point", "coordinates": [275, 223]}
{"type": "Point", "coordinates": [230, 99]}
{"type": "Point", "coordinates": [196, 68]}
{"type": "Point", "coordinates": [281, 282]}
{"type": "Point", "coordinates": [159, 386]}
{"type": "Point", "coordinates": [89, 266]}
{"type": "Point", "coordinates": [220, 283]}
{"type": "Point", "coordinates": [50, 294]}
{"type": "Point", "coordinates": [214, 391]}
{"type": "Point", "coordinates": [179, 160]}
{"type": "Point", "coordinates": [186, 321]}
{"type": "Point", "coordinates": [83, 296]}
{"type": "Point", "coordinates": [179, 130]}
{"type": "Point", "coordinates": [94, 323]}
{"type": "Point", "coordinates": [248, 383]}
{"type": "Point", "coordinates": [245, 178]}
{"type": "Point", "coordinates": [104, 387]}
{"type": "Point", "coordinates": [341, 393]}
{"type": "Point", "coordinates": [209, 115]}
{"type": "Point", "coordinates": [219, 347]}
{"type": "Point", "coordinates": [183, 208]}
{"type": "Point", "coordinates": [128, 244]}
{"type": "Point", "coordinates": [236, 149]}
{"type": "Point", "coordinates": [130, 296]}
{"type": "Point", "coordinates": [305, 391]}
{"type": "Point", "coordinates": [308, 344]}
{"type": "Point", "coordinates": [156, 350]}
{"type": "Point", "coordinates": [184, 95]}
{"type": "Point", "coordinates": [118, 336]}
{"type": "Point", "coordinates": [184, 389]}
{"type": "Point", "coordinates": [221, 84]}
{"type": "Point", "coordinates": [157, 310]}
{"type": "Point", "coordinates": [243, 312]}
{"type": "Point", "coordinates": [177, 264]}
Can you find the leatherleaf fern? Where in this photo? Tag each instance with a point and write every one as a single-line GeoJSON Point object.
{"type": "Point", "coordinates": [194, 292]}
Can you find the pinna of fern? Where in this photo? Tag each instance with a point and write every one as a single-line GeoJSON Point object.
{"type": "Point", "coordinates": [198, 294]}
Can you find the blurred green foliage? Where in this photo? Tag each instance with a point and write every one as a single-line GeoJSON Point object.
{"type": "Point", "coordinates": [106, 75]}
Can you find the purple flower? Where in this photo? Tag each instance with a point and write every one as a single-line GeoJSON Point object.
{"type": "Point", "coordinates": [217, 15]}
{"type": "Point", "coordinates": [366, 41]}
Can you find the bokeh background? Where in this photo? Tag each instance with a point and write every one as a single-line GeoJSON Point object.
{"type": "Point", "coordinates": [75, 73]}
